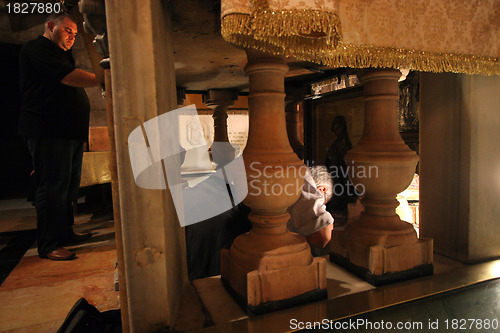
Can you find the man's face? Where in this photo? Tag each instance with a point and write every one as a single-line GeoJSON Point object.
{"type": "Point", "coordinates": [63, 33]}
{"type": "Point", "coordinates": [323, 190]}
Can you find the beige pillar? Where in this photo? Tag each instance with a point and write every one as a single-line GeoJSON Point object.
{"type": "Point", "coordinates": [460, 164]}
{"type": "Point", "coordinates": [294, 96]}
{"type": "Point", "coordinates": [116, 202]}
{"type": "Point", "coordinates": [142, 70]}
{"type": "Point", "coordinates": [268, 266]}
{"type": "Point", "coordinates": [219, 101]}
{"type": "Point", "coordinates": [379, 246]}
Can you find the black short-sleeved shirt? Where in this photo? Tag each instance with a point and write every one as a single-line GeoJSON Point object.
{"type": "Point", "coordinates": [48, 107]}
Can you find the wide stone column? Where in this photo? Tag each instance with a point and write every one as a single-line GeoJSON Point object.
{"type": "Point", "coordinates": [219, 101]}
{"type": "Point", "coordinates": [459, 178]}
{"type": "Point", "coordinates": [378, 246]}
{"type": "Point", "coordinates": [143, 82]}
{"type": "Point", "coordinates": [269, 267]}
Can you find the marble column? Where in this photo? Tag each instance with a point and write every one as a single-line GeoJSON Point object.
{"type": "Point", "coordinates": [294, 96]}
{"type": "Point", "coordinates": [378, 246]}
{"type": "Point", "coordinates": [269, 267]}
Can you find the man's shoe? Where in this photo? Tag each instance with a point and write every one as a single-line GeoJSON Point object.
{"type": "Point", "coordinates": [78, 238]}
{"type": "Point", "coordinates": [59, 254]}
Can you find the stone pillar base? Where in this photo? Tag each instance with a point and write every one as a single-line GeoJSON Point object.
{"type": "Point", "coordinates": [378, 264]}
{"type": "Point", "coordinates": [263, 291]}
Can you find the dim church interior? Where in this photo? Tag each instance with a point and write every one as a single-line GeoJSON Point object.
{"type": "Point", "coordinates": [37, 294]}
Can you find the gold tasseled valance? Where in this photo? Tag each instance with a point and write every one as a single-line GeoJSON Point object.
{"type": "Point", "coordinates": [424, 35]}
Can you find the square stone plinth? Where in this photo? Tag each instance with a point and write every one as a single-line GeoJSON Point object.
{"type": "Point", "coordinates": [270, 290]}
{"type": "Point", "coordinates": [381, 265]}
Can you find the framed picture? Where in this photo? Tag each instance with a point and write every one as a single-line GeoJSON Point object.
{"type": "Point", "coordinates": [321, 110]}
{"type": "Point", "coordinates": [319, 115]}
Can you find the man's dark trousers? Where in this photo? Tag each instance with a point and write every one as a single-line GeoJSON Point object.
{"type": "Point", "coordinates": [58, 164]}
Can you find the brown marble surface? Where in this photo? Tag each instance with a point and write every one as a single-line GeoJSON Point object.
{"type": "Point", "coordinates": [38, 294]}
{"type": "Point", "coordinates": [42, 291]}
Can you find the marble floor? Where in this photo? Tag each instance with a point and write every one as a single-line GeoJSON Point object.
{"type": "Point", "coordinates": [36, 294]}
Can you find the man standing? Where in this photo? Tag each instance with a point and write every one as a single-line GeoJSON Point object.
{"type": "Point", "coordinates": [55, 120]}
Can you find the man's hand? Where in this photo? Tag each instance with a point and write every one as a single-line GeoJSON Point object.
{"type": "Point", "coordinates": [80, 78]}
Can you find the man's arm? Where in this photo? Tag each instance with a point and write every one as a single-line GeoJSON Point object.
{"type": "Point", "coordinates": [80, 78]}
{"type": "Point", "coordinates": [321, 237]}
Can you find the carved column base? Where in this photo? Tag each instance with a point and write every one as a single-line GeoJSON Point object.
{"type": "Point", "coordinates": [270, 268]}
{"type": "Point", "coordinates": [262, 291]}
{"type": "Point", "coordinates": [382, 264]}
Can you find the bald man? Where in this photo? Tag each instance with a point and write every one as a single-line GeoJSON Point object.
{"type": "Point", "coordinates": [55, 120]}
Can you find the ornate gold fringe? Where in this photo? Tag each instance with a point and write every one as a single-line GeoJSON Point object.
{"type": "Point", "coordinates": [348, 55]}
{"type": "Point", "coordinates": [268, 35]}
{"type": "Point", "coordinates": [297, 25]}
{"type": "Point", "coordinates": [298, 28]}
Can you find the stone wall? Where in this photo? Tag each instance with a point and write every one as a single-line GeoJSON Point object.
{"type": "Point", "coordinates": [460, 163]}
